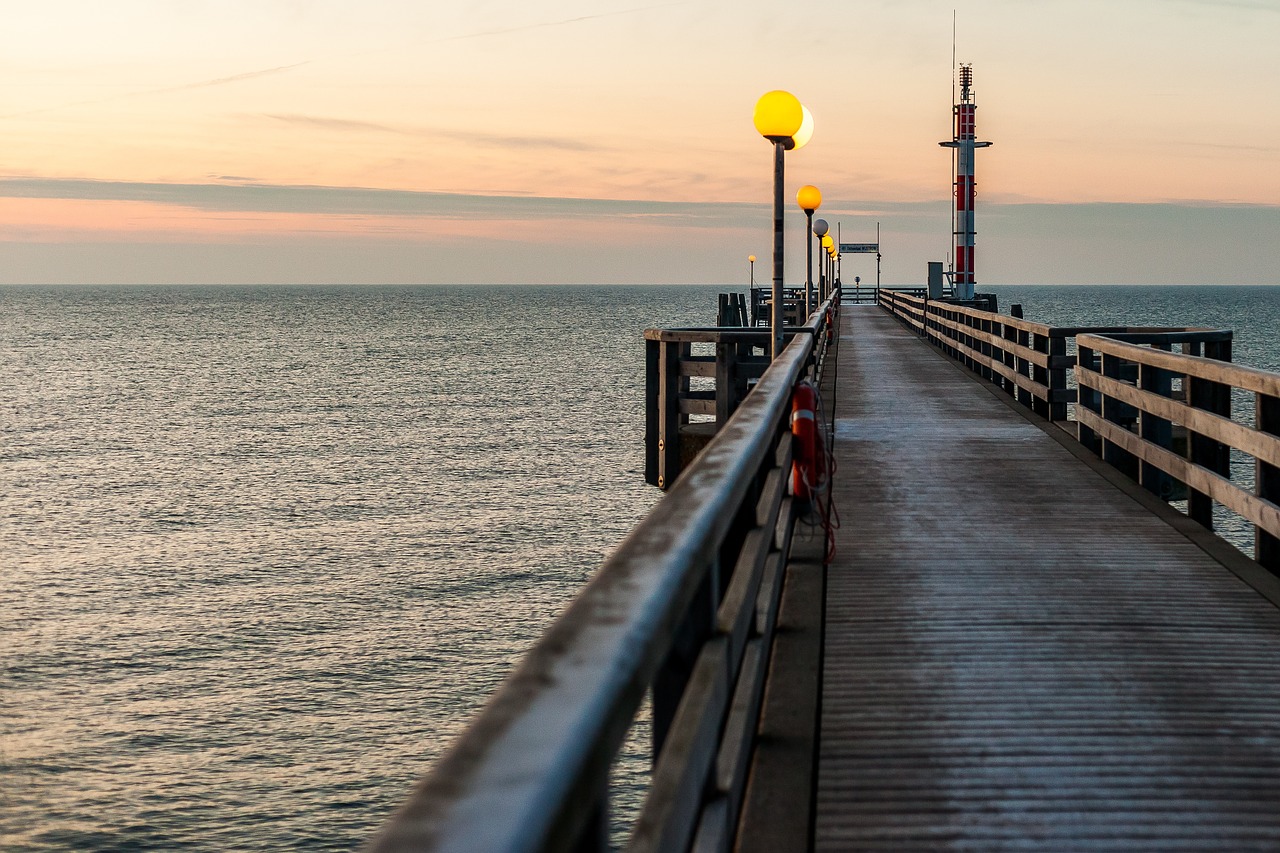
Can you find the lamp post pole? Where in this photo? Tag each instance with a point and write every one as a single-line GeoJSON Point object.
{"type": "Point", "coordinates": [775, 322]}
{"type": "Point", "coordinates": [818, 230]}
{"type": "Point", "coordinates": [808, 264]}
{"type": "Point", "coordinates": [786, 123]}
{"type": "Point", "coordinates": [810, 199]}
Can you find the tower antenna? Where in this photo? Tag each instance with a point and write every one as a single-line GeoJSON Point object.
{"type": "Point", "coordinates": [953, 56]}
{"type": "Point", "coordinates": [963, 143]}
{"type": "Point", "coordinates": [955, 226]}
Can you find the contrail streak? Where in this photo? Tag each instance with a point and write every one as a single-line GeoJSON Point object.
{"type": "Point", "coordinates": [546, 24]}
{"type": "Point", "coordinates": [202, 84]}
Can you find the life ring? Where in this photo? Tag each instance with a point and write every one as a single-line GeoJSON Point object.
{"type": "Point", "coordinates": [808, 465]}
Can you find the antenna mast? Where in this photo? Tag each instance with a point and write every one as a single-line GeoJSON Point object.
{"type": "Point", "coordinates": [963, 144]}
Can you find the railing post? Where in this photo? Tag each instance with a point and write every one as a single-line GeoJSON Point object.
{"type": "Point", "coordinates": [1040, 375]}
{"type": "Point", "coordinates": [595, 835]}
{"type": "Point", "coordinates": [669, 413]}
{"type": "Point", "coordinates": [966, 339]}
{"type": "Point", "coordinates": [1266, 545]}
{"type": "Point", "coordinates": [1022, 366]}
{"type": "Point", "coordinates": [986, 348]}
{"type": "Point", "coordinates": [1010, 335]}
{"type": "Point", "coordinates": [727, 398]}
{"type": "Point", "coordinates": [1203, 451]}
{"type": "Point", "coordinates": [1057, 379]}
{"type": "Point", "coordinates": [1158, 431]}
{"type": "Point", "coordinates": [1112, 410]}
{"type": "Point", "coordinates": [673, 675]}
{"type": "Point", "coordinates": [1087, 398]}
{"type": "Point", "coordinates": [652, 410]}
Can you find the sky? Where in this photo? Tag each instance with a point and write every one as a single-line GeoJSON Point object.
{"type": "Point", "coordinates": [611, 141]}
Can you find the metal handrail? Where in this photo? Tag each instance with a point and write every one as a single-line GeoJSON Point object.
{"type": "Point", "coordinates": [531, 771]}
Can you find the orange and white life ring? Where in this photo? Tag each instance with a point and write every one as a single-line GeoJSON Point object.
{"type": "Point", "coordinates": [808, 466]}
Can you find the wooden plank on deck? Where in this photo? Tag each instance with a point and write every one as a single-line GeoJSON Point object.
{"type": "Point", "coordinates": [1020, 655]}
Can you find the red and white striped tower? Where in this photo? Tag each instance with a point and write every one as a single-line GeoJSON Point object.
{"type": "Point", "coordinates": [964, 143]}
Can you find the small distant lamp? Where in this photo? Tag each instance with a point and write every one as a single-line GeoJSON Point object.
{"type": "Point", "coordinates": [809, 198]}
{"type": "Point", "coordinates": [819, 230]}
{"type": "Point", "coordinates": [828, 243]}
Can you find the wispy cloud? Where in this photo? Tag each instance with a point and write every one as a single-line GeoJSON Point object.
{"type": "Point", "coordinates": [234, 196]}
{"type": "Point", "coordinates": [343, 125]}
{"type": "Point", "coordinates": [182, 87]}
{"type": "Point", "coordinates": [1247, 5]}
{"type": "Point", "coordinates": [542, 25]}
{"type": "Point", "coordinates": [364, 201]}
{"type": "Point", "coordinates": [280, 69]}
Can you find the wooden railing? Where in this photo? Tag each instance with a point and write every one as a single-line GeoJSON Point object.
{"type": "Point", "coordinates": [860, 294]}
{"type": "Point", "coordinates": [684, 610]}
{"type": "Point", "coordinates": [1031, 361]}
{"type": "Point", "coordinates": [1132, 424]}
{"type": "Point", "coordinates": [729, 360]}
{"type": "Point", "coordinates": [1162, 417]}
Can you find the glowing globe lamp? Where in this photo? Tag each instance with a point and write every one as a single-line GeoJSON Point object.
{"type": "Point", "coordinates": [802, 136]}
{"type": "Point", "coordinates": [809, 198]}
{"type": "Point", "coordinates": [778, 115]}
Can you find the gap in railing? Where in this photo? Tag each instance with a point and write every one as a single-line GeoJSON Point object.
{"type": "Point", "coordinates": [630, 775]}
{"type": "Point", "coordinates": [702, 383]}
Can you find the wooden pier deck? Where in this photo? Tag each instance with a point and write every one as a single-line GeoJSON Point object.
{"type": "Point", "coordinates": [1018, 646]}
{"type": "Point", "coordinates": [1023, 650]}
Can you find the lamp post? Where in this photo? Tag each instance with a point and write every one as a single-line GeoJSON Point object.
{"type": "Point", "coordinates": [780, 118]}
{"type": "Point", "coordinates": [819, 230]}
{"type": "Point", "coordinates": [751, 259]}
{"type": "Point", "coordinates": [828, 243]}
{"type": "Point", "coordinates": [810, 199]}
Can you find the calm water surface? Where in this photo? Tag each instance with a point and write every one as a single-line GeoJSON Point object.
{"type": "Point", "coordinates": [266, 549]}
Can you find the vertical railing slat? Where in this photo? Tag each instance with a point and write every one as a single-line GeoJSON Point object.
{"type": "Point", "coordinates": [1267, 545]}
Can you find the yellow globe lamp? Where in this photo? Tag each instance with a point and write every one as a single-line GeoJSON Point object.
{"type": "Point", "coordinates": [778, 116]}
{"type": "Point", "coordinates": [809, 198]}
{"type": "Point", "coordinates": [802, 136]}
{"type": "Point", "coordinates": [827, 242]}
{"type": "Point", "coordinates": [751, 258]}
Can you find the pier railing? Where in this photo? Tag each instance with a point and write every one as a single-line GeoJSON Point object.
{"type": "Point", "coordinates": [1135, 397]}
{"type": "Point", "coordinates": [1162, 417]}
{"type": "Point", "coordinates": [695, 380]}
{"type": "Point", "coordinates": [684, 610]}
{"type": "Point", "coordinates": [1033, 362]}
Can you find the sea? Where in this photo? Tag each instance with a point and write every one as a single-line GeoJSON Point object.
{"type": "Point", "coordinates": [265, 550]}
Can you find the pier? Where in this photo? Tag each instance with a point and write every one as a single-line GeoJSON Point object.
{"type": "Point", "coordinates": [1024, 635]}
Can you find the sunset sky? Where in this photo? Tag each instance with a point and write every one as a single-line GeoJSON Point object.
{"type": "Point", "coordinates": [1136, 141]}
